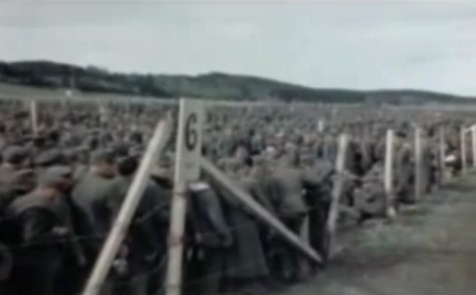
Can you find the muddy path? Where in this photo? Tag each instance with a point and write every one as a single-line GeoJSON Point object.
{"type": "Point", "coordinates": [428, 250]}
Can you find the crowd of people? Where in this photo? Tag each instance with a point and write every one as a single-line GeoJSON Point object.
{"type": "Point", "coordinates": [62, 186]}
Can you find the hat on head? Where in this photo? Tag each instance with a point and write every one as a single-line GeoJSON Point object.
{"type": "Point", "coordinates": [16, 154]}
{"type": "Point", "coordinates": [120, 148]}
{"type": "Point", "coordinates": [62, 170]}
{"type": "Point", "coordinates": [103, 156]}
{"type": "Point", "coordinates": [56, 176]}
{"type": "Point", "coordinates": [136, 150]}
{"type": "Point", "coordinates": [126, 166]}
{"type": "Point", "coordinates": [21, 178]}
{"type": "Point", "coordinates": [50, 157]}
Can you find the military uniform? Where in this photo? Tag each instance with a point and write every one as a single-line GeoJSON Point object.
{"type": "Point", "coordinates": [211, 242]}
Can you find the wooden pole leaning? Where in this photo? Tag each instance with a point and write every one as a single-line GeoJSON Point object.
{"type": "Point", "coordinates": [119, 229]}
{"type": "Point", "coordinates": [333, 216]}
{"type": "Point", "coordinates": [209, 169]}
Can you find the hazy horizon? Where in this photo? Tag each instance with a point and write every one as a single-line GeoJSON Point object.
{"type": "Point", "coordinates": [410, 45]}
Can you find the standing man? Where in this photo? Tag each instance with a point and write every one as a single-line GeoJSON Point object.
{"type": "Point", "coordinates": [38, 226]}
{"type": "Point", "coordinates": [91, 194]}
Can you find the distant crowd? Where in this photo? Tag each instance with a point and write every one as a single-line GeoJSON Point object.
{"type": "Point", "coordinates": [62, 186]}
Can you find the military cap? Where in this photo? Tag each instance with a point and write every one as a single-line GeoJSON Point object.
{"type": "Point", "coordinates": [50, 157]}
{"type": "Point", "coordinates": [136, 151]}
{"type": "Point", "coordinates": [120, 148]}
{"type": "Point", "coordinates": [103, 156]}
{"type": "Point", "coordinates": [38, 141]}
{"type": "Point", "coordinates": [53, 135]}
{"type": "Point", "coordinates": [127, 165]}
{"type": "Point", "coordinates": [27, 172]}
{"type": "Point", "coordinates": [22, 178]}
{"type": "Point", "coordinates": [62, 170]}
{"type": "Point", "coordinates": [15, 154]}
{"type": "Point", "coordinates": [55, 176]}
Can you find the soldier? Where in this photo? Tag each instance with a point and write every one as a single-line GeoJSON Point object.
{"type": "Point", "coordinates": [426, 166]}
{"type": "Point", "coordinates": [436, 165]}
{"type": "Point", "coordinates": [290, 183]}
{"type": "Point", "coordinates": [20, 183]}
{"type": "Point", "coordinates": [405, 172]}
{"type": "Point", "coordinates": [212, 239]}
{"type": "Point", "coordinates": [369, 198]}
{"type": "Point", "coordinates": [91, 195]}
{"type": "Point", "coordinates": [143, 241]}
{"type": "Point", "coordinates": [318, 199]}
{"type": "Point", "coordinates": [80, 163]}
{"type": "Point", "coordinates": [257, 179]}
{"type": "Point", "coordinates": [264, 189]}
{"type": "Point", "coordinates": [50, 157]}
{"type": "Point", "coordinates": [246, 255]}
{"type": "Point", "coordinates": [93, 189]}
{"type": "Point", "coordinates": [73, 272]}
{"type": "Point", "coordinates": [14, 159]}
{"type": "Point", "coordinates": [161, 185]}
{"type": "Point", "coordinates": [37, 224]}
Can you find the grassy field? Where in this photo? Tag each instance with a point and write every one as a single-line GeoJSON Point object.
{"type": "Point", "coordinates": [429, 250]}
{"type": "Point", "coordinates": [11, 91]}
{"type": "Point", "coordinates": [18, 92]}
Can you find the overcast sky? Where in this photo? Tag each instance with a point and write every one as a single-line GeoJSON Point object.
{"type": "Point", "coordinates": [412, 44]}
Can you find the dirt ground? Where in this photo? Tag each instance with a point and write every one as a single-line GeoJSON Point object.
{"type": "Point", "coordinates": [428, 250]}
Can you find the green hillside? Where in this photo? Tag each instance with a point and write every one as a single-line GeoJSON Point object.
{"type": "Point", "coordinates": [52, 75]}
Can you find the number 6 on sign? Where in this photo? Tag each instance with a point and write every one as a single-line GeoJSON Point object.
{"type": "Point", "coordinates": [187, 163]}
{"type": "Point", "coordinates": [190, 132]}
{"type": "Point", "coordinates": [189, 141]}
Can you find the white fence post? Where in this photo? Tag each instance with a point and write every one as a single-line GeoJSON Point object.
{"type": "Point", "coordinates": [336, 194]}
{"type": "Point", "coordinates": [418, 166]}
{"type": "Point", "coordinates": [442, 147]}
{"type": "Point", "coordinates": [473, 143]}
{"type": "Point", "coordinates": [388, 174]}
{"type": "Point", "coordinates": [463, 150]}
{"type": "Point", "coordinates": [34, 117]}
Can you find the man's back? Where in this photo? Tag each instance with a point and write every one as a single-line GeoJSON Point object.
{"type": "Point", "coordinates": [290, 182]}
{"type": "Point", "coordinates": [91, 193]}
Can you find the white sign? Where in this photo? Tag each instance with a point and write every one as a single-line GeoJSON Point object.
{"type": "Point", "coordinates": [189, 140]}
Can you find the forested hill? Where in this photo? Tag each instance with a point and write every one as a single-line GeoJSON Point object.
{"type": "Point", "coordinates": [54, 75]}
